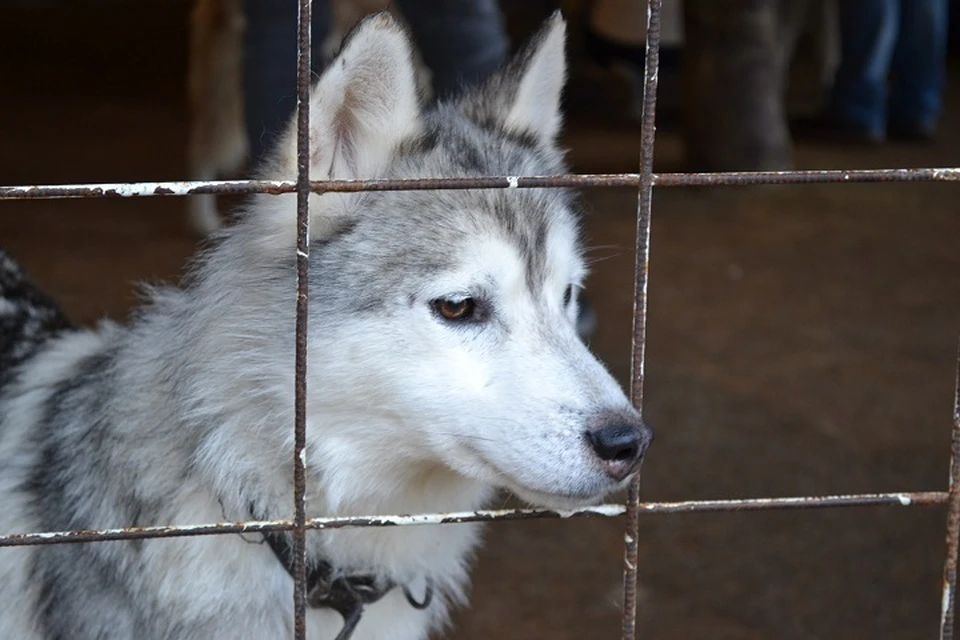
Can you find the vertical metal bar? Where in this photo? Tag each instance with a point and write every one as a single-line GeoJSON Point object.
{"type": "Point", "coordinates": [953, 522]}
{"type": "Point", "coordinates": [647, 135]}
{"type": "Point", "coordinates": [299, 532]}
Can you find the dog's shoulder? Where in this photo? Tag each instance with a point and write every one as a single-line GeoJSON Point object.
{"type": "Point", "coordinates": [28, 316]}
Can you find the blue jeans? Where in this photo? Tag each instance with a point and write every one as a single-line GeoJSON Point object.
{"type": "Point", "coordinates": [461, 41]}
{"type": "Point", "coordinates": [892, 63]}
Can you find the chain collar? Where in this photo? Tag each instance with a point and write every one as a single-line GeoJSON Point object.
{"type": "Point", "coordinates": [345, 594]}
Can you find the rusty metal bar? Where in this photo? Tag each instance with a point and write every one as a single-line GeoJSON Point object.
{"type": "Point", "coordinates": [641, 271]}
{"type": "Point", "coordinates": [744, 178]}
{"type": "Point", "coordinates": [299, 530]}
{"type": "Point", "coordinates": [596, 180]}
{"type": "Point", "coordinates": [947, 613]}
{"type": "Point", "coordinates": [902, 499]}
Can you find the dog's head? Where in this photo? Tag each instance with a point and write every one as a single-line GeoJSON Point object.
{"type": "Point", "coordinates": [443, 322]}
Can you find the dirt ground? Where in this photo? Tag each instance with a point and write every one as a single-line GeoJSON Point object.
{"type": "Point", "coordinates": [801, 341]}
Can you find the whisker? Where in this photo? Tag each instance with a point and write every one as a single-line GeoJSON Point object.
{"type": "Point", "coordinates": [599, 247]}
{"type": "Point", "coordinates": [599, 259]}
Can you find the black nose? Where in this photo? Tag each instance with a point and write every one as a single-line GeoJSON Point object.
{"type": "Point", "coordinates": [620, 446]}
{"type": "Point", "coordinates": [616, 442]}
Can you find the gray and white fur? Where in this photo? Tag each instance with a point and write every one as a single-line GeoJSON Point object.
{"type": "Point", "coordinates": [185, 415]}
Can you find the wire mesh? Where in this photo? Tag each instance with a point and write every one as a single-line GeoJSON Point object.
{"type": "Point", "coordinates": [633, 509]}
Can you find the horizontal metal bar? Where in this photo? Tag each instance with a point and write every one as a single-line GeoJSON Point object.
{"type": "Point", "coordinates": [276, 187]}
{"type": "Point", "coordinates": [743, 178]}
{"type": "Point", "coordinates": [915, 499]}
{"type": "Point", "coordinates": [145, 189]}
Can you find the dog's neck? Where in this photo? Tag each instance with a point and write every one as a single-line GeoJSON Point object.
{"type": "Point", "coordinates": [351, 483]}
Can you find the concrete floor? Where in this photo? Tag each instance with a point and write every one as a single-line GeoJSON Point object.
{"type": "Point", "coordinates": [801, 341]}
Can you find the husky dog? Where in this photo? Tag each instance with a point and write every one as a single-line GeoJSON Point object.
{"type": "Point", "coordinates": [443, 365]}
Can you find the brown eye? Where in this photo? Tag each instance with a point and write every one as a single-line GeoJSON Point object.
{"type": "Point", "coordinates": [455, 309]}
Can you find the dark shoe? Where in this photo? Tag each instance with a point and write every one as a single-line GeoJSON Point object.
{"type": "Point", "coordinates": [607, 52]}
{"type": "Point", "coordinates": [609, 55]}
{"type": "Point", "coordinates": [831, 130]}
{"type": "Point", "coordinates": [915, 133]}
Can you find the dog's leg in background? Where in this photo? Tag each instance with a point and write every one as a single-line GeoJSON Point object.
{"type": "Point", "coordinates": [217, 140]}
{"type": "Point", "coordinates": [346, 15]}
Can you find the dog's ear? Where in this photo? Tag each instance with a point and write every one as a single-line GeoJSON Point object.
{"type": "Point", "coordinates": [536, 104]}
{"type": "Point", "coordinates": [525, 96]}
{"type": "Point", "coordinates": [364, 104]}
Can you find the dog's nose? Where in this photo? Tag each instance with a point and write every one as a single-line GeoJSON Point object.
{"type": "Point", "coordinates": [620, 445]}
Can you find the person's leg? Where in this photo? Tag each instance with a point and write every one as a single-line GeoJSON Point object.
{"type": "Point", "coordinates": [461, 41]}
{"type": "Point", "coordinates": [919, 66]}
{"type": "Point", "coordinates": [733, 102]}
{"type": "Point", "coordinates": [810, 46]}
{"type": "Point", "coordinates": [868, 33]}
{"type": "Point", "coordinates": [270, 67]}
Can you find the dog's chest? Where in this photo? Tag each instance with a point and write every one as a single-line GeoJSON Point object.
{"type": "Point", "coordinates": [416, 558]}
{"type": "Point", "coordinates": [252, 593]}
{"type": "Point", "coordinates": [390, 618]}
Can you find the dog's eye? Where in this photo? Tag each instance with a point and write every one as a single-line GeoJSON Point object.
{"type": "Point", "coordinates": [567, 296]}
{"type": "Point", "coordinates": [455, 310]}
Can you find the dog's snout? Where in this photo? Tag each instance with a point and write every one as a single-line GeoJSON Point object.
{"type": "Point", "coordinates": [620, 445]}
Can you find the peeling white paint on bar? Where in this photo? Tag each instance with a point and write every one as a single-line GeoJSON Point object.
{"type": "Point", "coordinates": [946, 174]}
{"type": "Point", "coordinates": [754, 504]}
{"type": "Point", "coordinates": [606, 510]}
{"type": "Point", "coordinates": [137, 189]}
{"type": "Point", "coordinates": [945, 605]}
{"type": "Point", "coordinates": [186, 188]}
{"type": "Point", "coordinates": [144, 532]}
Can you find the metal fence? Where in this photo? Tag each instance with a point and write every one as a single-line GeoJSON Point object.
{"type": "Point", "coordinates": [645, 180]}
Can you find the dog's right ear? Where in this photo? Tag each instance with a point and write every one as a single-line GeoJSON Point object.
{"type": "Point", "coordinates": [365, 103]}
